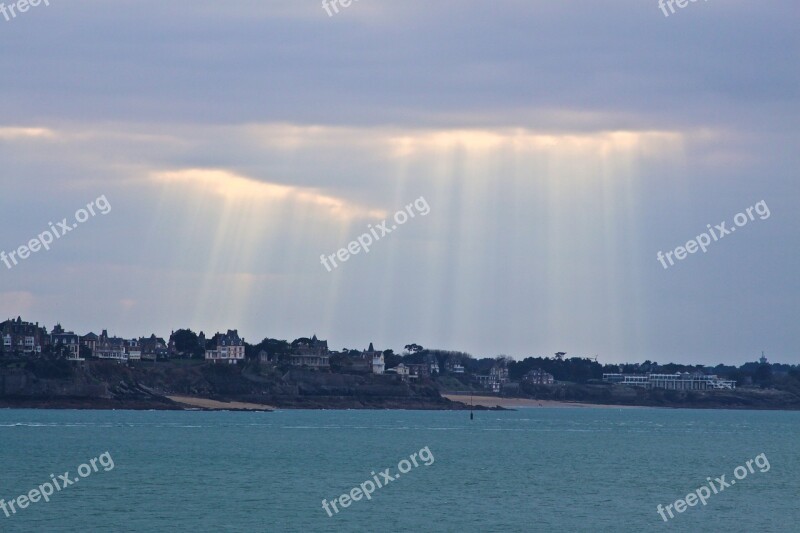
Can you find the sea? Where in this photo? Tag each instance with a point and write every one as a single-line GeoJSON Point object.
{"type": "Point", "coordinates": [533, 469]}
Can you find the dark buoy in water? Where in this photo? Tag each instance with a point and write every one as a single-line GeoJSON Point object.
{"type": "Point", "coordinates": [471, 416]}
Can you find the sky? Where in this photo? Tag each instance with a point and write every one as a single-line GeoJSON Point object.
{"type": "Point", "coordinates": [559, 147]}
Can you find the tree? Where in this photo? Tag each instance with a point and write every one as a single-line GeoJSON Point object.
{"type": "Point", "coordinates": [413, 348]}
{"type": "Point", "coordinates": [85, 351]}
{"type": "Point", "coordinates": [392, 360]}
{"type": "Point", "coordinates": [763, 375]}
{"type": "Point", "coordinates": [186, 342]}
{"type": "Point", "coordinates": [276, 349]}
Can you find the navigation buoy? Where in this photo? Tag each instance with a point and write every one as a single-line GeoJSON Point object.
{"type": "Point", "coordinates": [471, 415]}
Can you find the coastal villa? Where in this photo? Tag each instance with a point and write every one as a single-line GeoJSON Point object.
{"type": "Point", "coordinates": [70, 342]}
{"type": "Point", "coordinates": [110, 348]}
{"type": "Point", "coordinates": [23, 337]}
{"type": "Point", "coordinates": [453, 366]}
{"type": "Point", "coordinates": [378, 364]}
{"type": "Point", "coordinates": [487, 383]}
{"type": "Point", "coordinates": [153, 348]}
{"type": "Point", "coordinates": [374, 360]}
{"type": "Point", "coordinates": [676, 381]}
{"type": "Point", "coordinates": [538, 377]}
{"type": "Point", "coordinates": [433, 364]}
{"type": "Point", "coordinates": [133, 348]}
{"type": "Point", "coordinates": [499, 373]}
{"type": "Point", "coordinates": [226, 348]}
{"type": "Point", "coordinates": [417, 371]}
{"type": "Point", "coordinates": [360, 364]}
{"type": "Point", "coordinates": [312, 353]}
{"type": "Point", "coordinates": [90, 341]}
{"type": "Point", "coordinates": [497, 377]}
{"type": "Point", "coordinates": [401, 370]}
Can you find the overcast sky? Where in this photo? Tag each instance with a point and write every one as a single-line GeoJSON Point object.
{"type": "Point", "coordinates": [559, 145]}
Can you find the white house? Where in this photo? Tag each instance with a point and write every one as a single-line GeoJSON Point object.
{"type": "Point", "coordinates": [226, 348]}
{"type": "Point", "coordinates": [378, 364]}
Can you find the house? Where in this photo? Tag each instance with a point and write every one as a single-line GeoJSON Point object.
{"type": "Point", "coordinates": [23, 337]}
{"type": "Point", "coordinates": [90, 341]}
{"type": "Point", "coordinates": [378, 364]}
{"type": "Point", "coordinates": [401, 370]}
{"type": "Point", "coordinates": [453, 366]}
{"type": "Point", "coordinates": [153, 348]}
{"type": "Point", "coordinates": [110, 348]}
{"type": "Point", "coordinates": [67, 341]}
{"type": "Point", "coordinates": [311, 353]}
{"type": "Point", "coordinates": [416, 372]}
{"type": "Point", "coordinates": [225, 348]}
{"type": "Point", "coordinates": [487, 382]}
{"type": "Point", "coordinates": [133, 348]}
{"type": "Point", "coordinates": [538, 377]}
{"type": "Point", "coordinates": [433, 364]}
{"type": "Point", "coordinates": [497, 377]}
{"type": "Point", "coordinates": [499, 373]}
{"type": "Point", "coordinates": [374, 359]}
{"type": "Point", "coordinates": [360, 364]}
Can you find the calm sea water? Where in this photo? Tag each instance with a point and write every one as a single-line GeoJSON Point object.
{"type": "Point", "coordinates": [527, 470]}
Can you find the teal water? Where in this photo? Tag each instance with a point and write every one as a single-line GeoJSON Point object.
{"type": "Point", "coordinates": [527, 470]}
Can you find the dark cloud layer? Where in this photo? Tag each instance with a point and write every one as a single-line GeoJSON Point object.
{"type": "Point", "coordinates": [560, 145]}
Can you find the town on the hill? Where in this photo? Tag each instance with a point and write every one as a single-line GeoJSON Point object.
{"type": "Point", "coordinates": [450, 369]}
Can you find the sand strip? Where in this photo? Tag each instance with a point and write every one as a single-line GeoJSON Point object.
{"type": "Point", "coordinates": [205, 403]}
{"type": "Point", "coordinates": [511, 403]}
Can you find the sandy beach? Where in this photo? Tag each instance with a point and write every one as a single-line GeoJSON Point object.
{"type": "Point", "coordinates": [511, 403]}
{"type": "Point", "coordinates": [205, 403]}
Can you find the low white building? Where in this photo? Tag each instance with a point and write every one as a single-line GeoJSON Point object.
{"type": "Point", "coordinates": [378, 364]}
{"type": "Point", "coordinates": [676, 381]}
{"type": "Point", "coordinates": [401, 370]}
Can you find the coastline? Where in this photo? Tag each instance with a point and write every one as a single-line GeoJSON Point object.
{"type": "Point", "coordinates": [455, 402]}
{"type": "Point", "coordinates": [513, 403]}
{"type": "Point", "coordinates": [215, 405]}
{"type": "Point", "coordinates": [194, 403]}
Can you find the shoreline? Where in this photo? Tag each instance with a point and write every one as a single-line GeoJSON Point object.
{"type": "Point", "coordinates": [178, 402]}
{"type": "Point", "coordinates": [452, 402]}
{"type": "Point", "coordinates": [215, 405]}
{"type": "Point", "coordinates": [513, 403]}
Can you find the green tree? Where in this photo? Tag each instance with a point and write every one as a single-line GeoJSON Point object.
{"type": "Point", "coordinates": [186, 341]}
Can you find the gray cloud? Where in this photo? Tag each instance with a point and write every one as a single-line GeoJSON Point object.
{"type": "Point", "coordinates": [560, 147]}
